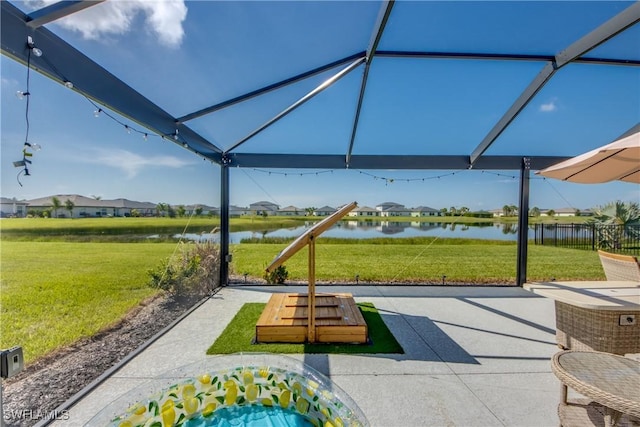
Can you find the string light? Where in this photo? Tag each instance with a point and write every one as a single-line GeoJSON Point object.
{"type": "Point", "coordinates": [388, 181]}
{"type": "Point", "coordinates": [26, 153]}
{"type": "Point", "coordinates": [97, 112]}
{"type": "Point", "coordinates": [509, 176]}
{"type": "Point", "coordinates": [32, 47]}
{"type": "Point", "coordinates": [289, 173]}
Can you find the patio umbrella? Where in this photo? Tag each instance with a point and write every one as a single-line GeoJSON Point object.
{"type": "Point", "coordinates": [619, 160]}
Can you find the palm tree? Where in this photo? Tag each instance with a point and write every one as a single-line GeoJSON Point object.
{"type": "Point", "coordinates": [535, 211]}
{"type": "Point", "coordinates": [55, 202]}
{"type": "Point", "coordinates": [69, 205]}
{"type": "Point", "coordinates": [614, 221]}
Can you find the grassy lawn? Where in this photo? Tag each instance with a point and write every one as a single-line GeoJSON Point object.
{"type": "Point", "coordinates": [53, 293]}
{"type": "Point", "coordinates": [468, 262]}
{"type": "Point", "coordinates": [239, 334]}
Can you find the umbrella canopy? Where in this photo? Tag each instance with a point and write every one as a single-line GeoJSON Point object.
{"type": "Point", "coordinates": [619, 160]}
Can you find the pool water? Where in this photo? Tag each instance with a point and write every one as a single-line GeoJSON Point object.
{"type": "Point", "coordinates": [251, 416]}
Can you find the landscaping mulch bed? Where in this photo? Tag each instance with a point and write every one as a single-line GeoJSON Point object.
{"type": "Point", "coordinates": [49, 382]}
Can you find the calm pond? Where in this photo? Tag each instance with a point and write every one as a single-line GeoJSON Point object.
{"type": "Point", "coordinates": [373, 229]}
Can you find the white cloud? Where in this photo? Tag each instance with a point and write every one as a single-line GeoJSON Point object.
{"type": "Point", "coordinates": [8, 82]}
{"type": "Point", "coordinates": [163, 18]}
{"type": "Point", "coordinates": [131, 163]}
{"type": "Point", "coordinates": [549, 106]}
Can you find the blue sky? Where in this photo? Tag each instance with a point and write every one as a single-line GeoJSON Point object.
{"type": "Point", "coordinates": [186, 56]}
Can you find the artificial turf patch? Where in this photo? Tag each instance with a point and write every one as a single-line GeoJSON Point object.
{"type": "Point", "coordinates": [239, 335]}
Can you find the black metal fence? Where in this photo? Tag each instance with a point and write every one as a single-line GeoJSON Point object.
{"type": "Point", "coordinates": [614, 238]}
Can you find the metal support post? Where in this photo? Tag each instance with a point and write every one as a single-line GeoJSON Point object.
{"type": "Point", "coordinates": [523, 222]}
{"type": "Point", "coordinates": [225, 256]}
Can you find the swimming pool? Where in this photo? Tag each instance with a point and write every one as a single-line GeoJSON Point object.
{"type": "Point", "coordinates": [245, 389]}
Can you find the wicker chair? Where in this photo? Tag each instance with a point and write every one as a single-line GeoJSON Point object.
{"type": "Point", "coordinates": [620, 267]}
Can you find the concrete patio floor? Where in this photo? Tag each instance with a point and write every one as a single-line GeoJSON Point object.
{"type": "Point", "coordinates": [474, 356]}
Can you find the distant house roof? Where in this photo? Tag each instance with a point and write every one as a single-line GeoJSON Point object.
{"type": "Point", "coordinates": [424, 209]}
{"type": "Point", "coordinates": [365, 209]}
{"type": "Point", "coordinates": [386, 205]}
{"type": "Point", "coordinates": [264, 206]}
{"type": "Point", "coordinates": [78, 200]}
{"type": "Point", "coordinates": [131, 204]}
{"type": "Point", "coordinates": [325, 209]}
{"type": "Point", "coordinates": [290, 209]}
{"type": "Point", "coordinates": [88, 202]}
{"type": "Point", "coordinates": [8, 201]}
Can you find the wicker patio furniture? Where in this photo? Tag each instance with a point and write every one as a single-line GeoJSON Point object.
{"type": "Point", "coordinates": [610, 381]}
{"type": "Point", "coordinates": [595, 315]}
{"type": "Point", "coordinates": [620, 267]}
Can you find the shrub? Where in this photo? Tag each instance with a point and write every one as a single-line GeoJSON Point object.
{"type": "Point", "coordinates": [193, 271]}
{"type": "Point", "coordinates": [277, 276]}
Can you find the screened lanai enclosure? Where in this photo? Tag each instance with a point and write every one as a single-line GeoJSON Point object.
{"type": "Point", "coordinates": [362, 85]}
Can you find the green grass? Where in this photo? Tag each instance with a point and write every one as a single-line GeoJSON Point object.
{"type": "Point", "coordinates": [52, 294]}
{"type": "Point", "coordinates": [238, 336]}
{"type": "Point", "coordinates": [460, 261]}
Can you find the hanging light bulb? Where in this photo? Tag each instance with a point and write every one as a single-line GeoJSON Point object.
{"type": "Point", "coordinates": [175, 135]}
{"type": "Point", "coordinates": [97, 112]}
{"type": "Point", "coordinates": [128, 129]}
{"type": "Point", "coordinates": [34, 147]}
{"type": "Point", "coordinates": [20, 94]}
{"type": "Point", "coordinates": [32, 46]}
{"type": "Point", "coordinates": [145, 137]}
{"type": "Point", "coordinates": [68, 84]}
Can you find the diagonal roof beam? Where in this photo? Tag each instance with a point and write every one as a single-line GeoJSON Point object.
{"type": "Point", "coordinates": [58, 10]}
{"type": "Point", "coordinates": [61, 62]}
{"type": "Point", "coordinates": [299, 102]}
{"type": "Point", "coordinates": [604, 32]}
{"type": "Point", "coordinates": [269, 88]}
{"type": "Point", "coordinates": [378, 30]}
{"type": "Point", "coordinates": [487, 56]}
{"type": "Point", "coordinates": [614, 26]}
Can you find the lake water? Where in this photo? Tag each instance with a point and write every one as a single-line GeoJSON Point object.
{"type": "Point", "coordinates": [373, 229]}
